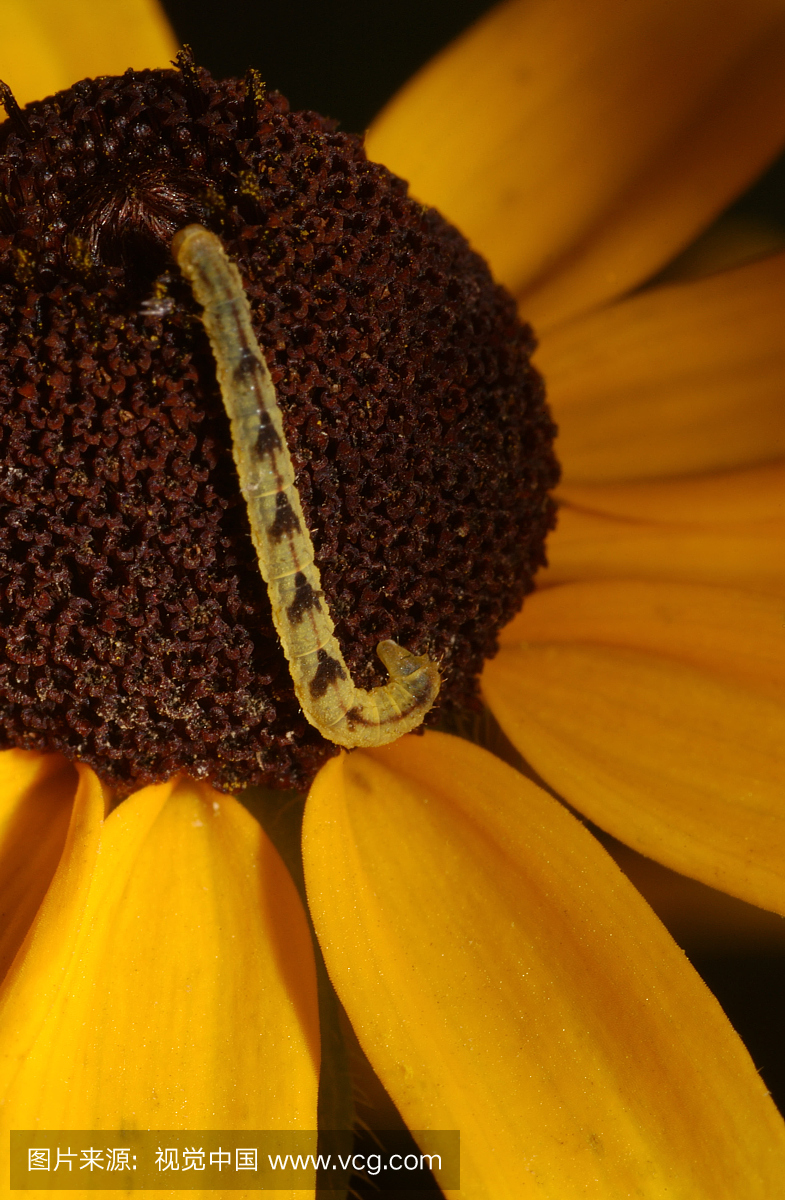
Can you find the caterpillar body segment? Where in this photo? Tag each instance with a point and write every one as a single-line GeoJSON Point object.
{"type": "Point", "coordinates": [343, 713]}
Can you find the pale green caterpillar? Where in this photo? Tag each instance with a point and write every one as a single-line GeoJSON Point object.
{"type": "Point", "coordinates": [340, 711]}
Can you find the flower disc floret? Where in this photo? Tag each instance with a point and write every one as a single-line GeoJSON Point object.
{"type": "Point", "coordinates": [137, 633]}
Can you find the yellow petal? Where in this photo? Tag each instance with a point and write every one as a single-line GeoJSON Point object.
{"type": "Point", "coordinates": [505, 979]}
{"type": "Point", "coordinates": [737, 635]}
{"type": "Point", "coordinates": [726, 497]}
{"type": "Point", "coordinates": [727, 528]}
{"type": "Point", "coordinates": [34, 980]}
{"type": "Point", "coordinates": [579, 146]}
{"type": "Point", "coordinates": [36, 792]}
{"type": "Point", "coordinates": [657, 710]}
{"type": "Point", "coordinates": [48, 45]}
{"type": "Point", "coordinates": [675, 380]}
{"type": "Point", "coordinates": [168, 981]}
{"type": "Point", "coordinates": [593, 546]}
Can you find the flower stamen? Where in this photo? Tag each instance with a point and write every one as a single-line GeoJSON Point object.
{"type": "Point", "coordinates": [14, 111]}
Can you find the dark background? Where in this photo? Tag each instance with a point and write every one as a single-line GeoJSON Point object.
{"type": "Point", "coordinates": [345, 58]}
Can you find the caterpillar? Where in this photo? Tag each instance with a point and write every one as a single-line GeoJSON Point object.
{"type": "Point", "coordinates": [342, 712]}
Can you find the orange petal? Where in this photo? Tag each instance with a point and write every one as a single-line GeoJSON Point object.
{"type": "Point", "coordinates": [749, 496]}
{"type": "Point", "coordinates": [737, 635]}
{"type": "Point", "coordinates": [168, 980]}
{"type": "Point", "coordinates": [505, 979]}
{"type": "Point", "coordinates": [48, 45]}
{"type": "Point", "coordinates": [580, 146]}
{"type": "Point", "coordinates": [727, 528]}
{"type": "Point", "coordinates": [592, 546]}
{"type": "Point", "coordinates": [675, 380]}
{"type": "Point", "coordinates": [657, 710]}
{"type": "Point", "coordinates": [36, 796]}
{"type": "Point", "coordinates": [46, 952]}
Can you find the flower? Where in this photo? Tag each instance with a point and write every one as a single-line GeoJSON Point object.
{"type": "Point", "coordinates": [501, 975]}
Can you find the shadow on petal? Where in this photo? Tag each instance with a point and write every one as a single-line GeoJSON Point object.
{"type": "Point", "coordinates": [36, 795]}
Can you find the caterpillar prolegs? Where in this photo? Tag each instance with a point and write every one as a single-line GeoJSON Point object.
{"type": "Point", "coordinates": [342, 712]}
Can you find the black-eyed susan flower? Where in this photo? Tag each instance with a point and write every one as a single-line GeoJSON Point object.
{"type": "Point", "coordinates": [501, 975]}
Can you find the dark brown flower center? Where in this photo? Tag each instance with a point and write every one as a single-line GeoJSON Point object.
{"type": "Point", "coordinates": [135, 629]}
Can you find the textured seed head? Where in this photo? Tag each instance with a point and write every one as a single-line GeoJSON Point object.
{"type": "Point", "coordinates": [135, 631]}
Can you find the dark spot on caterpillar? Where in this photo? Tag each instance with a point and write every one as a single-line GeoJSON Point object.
{"type": "Point", "coordinates": [247, 367]}
{"type": "Point", "coordinates": [285, 518]}
{"type": "Point", "coordinates": [306, 597]}
{"type": "Point", "coordinates": [418, 688]}
{"type": "Point", "coordinates": [354, 718]}
{"type": "Point", "coordinates": [268, 440]}
{"type": "Point", "coordinates": [327, 672]}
